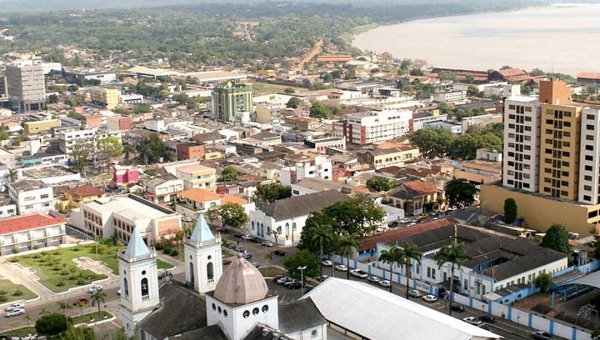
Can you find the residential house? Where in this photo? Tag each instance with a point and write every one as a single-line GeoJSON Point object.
{"type": "Point", "coordinates": [190, 151]}
{"type": "Point", "coordinates": [125, 174]}
{"type": "Point", "coordinates": [479, 171]}
{"type": "Point", "coordinates": [381, 158]}
{"type": "Point", "coordinates": [306, 167]}
{"type": "Point", "coordinates": [282, 221]}
{"type": "Point", "coordinates": [82, 193]}
{"type": "Point", "coordinates": [267, 138]}
{"type": "Point", "coordinates": [163, 189]}
{"type": "Point", "coordinates": [22, 233]}
{"type": "Point", "coordinates": [31, 196]}
{"type": "Point", "coordinates": [197, 176]}
{"type": "Point", "coordinates": [310, 185]}
{"type": "Point", "coordinates": [194, 201]}
{"type": "Point", "coordinates": [120, 215]}
{"type": "Point", "coordinates": [415, 197]}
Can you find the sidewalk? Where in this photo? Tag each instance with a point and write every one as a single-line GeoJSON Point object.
{"type": "Point", "coordinates": [24, 276]}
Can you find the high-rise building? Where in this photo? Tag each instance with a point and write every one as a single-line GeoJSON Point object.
{"type": "Point", "coordinates": [26, 86]}
{"type": "Point", "coordinates": [106, 98]}
{"type": "Point", "coordinates": [374, 126]}
{"type": "Point", "coordinates": [229, 99]}
{"type": "Point", "coordinates": [589, 156]}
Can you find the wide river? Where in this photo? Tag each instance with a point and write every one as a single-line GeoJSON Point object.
{"type": "Point", "coordinates": [554, 39]}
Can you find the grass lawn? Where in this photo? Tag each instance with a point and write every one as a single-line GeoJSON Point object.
{"type": "Point", "coordinates": [22, 331]}
{"type": "Point", "coordinates": [57, 270]}
{"type": "Point", "coordinates": [12, 291]}
{"type": "Point", "coordinates": [265, 88]}
{"type": "Point", "coordinates": [96, 316]}
{"type": "Point", "coordinates": [272, 271]}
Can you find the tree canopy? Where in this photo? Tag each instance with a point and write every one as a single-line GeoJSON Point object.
{"type": "Point", "coordinates": [460, 192]}
{"type": "Point", "coordinates": [51, 324]}
{"type": "Point", "coordinates": [319, 110]}
{"type": "Point", "coordinates": [229, 173]}
{"type": "Point", "coordinates": [151, 149]}
{"type": "Point", "coordinates": [231, 214]}
{"type": "Point", "coordinates": [293, 103]}
{"type": "Point", "coordinates": [436, 141]}
{"type": "Point", "coordinates": [557, 238]}
{"type": "Point", "coordinates": [301, 259]}
{"type": "Point", "coordinates": [380, 183]}
{"type": "Point", "coordinates": [269, 193]}
{"type": "Point", "coordinates": [355, 215]}
{"type": "Point", "coordinates": [510, 210]}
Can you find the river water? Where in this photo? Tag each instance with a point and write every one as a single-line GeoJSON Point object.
{"type": "Point", "coordinates": [562, 39]}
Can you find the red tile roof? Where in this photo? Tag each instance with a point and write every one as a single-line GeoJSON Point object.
{"type": "Point", "coordinates": [421, 187]}
{"type": "Point", "coordinates": [511, 72]}
{"type": "Point", "coordinates": [85, 190]}
{"type": "Point", "coordinates": [589, 75]}
{"type": "Point", "coordinates": [387, 237]}
{"type": "Point", "coordinates": [20, 223]}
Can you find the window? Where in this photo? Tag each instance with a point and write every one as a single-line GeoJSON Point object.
{"type": "Point", "coordinates": [144, 287]}
{"type": "Point", "coordinates": [589, 127]}
{"type": "Point", "coordinates": [44, 196]}
{"type": "Point", "coordinates": [589, 148]}
{"type": "Point", "coordinates": [589, 137]}
{"type": "Point", "coordinates": [246, 314]}
{"type": "Point", "coordinates": [255, 311]}
{"type": "Point", "coordinates": [589, 157]}
{"type": "Point", "coordinates": [265, 308]}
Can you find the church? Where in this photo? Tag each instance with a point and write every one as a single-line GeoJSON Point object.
{"type": "Point", "coordinates": [213, 304]}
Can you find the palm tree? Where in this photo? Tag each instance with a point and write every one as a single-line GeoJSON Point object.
{"type": "Point", "coordinates": [391, 256]}
{"type": "Point", "coordinates": [347, 245]}
{"type": "Point", "coordinates": [408, 253]}
{"type": "Point", "coordinates": [320, 235]}
{"type": "Point", "coordinates": [455, 254]}
{"type": "Point", "coordinates": [98, 297]}
{"type": "Point", "coordinates": [269, 256]}
{"type": "Point", "coordinates": [28, 318]}
{"type": "Point", "coordinates": [12, 174]}
{"type": "Point", "coordinates": [64, 306]}
{"type": "Point", "coordinates": [43, 312]}
{"type": "Point", "coordinates": [80, 304]}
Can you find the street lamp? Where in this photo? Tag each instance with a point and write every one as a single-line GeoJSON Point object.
{"type": "Point", "coordinates": [275, 233]}
{"type": "Point", "coordinates": [301, 269]}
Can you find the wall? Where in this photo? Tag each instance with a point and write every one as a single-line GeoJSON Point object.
{"type": "Point", "coordinates": [539, 212]}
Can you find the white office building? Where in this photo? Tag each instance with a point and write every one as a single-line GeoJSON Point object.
{"type": "Point", "coordinates": [374, 126]}
{"type": "Point", "coordinates": [31, 196]}
{"type": "Point", "coordinates": [589, 157]}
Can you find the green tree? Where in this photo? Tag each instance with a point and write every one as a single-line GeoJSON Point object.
{"type": "Point", "coordinates": [391, 257]}
{"type": "Point", "coordinates": [99, 298]}
{"type": "Point", "coordinates": [289, 90]}
{"type": "Point", "coordinates": [380, 183]}
{"type": "Point", "coordinates": [28, 318]}
{"type": "Point", "coordinates": [231, 214]}
{"type": "Point", "coordinates": [269, 193]}
{"type": "Point", "coordinates": [347, 246]}
{"type": "Point", "coordinates": [557, 238]}
{"type": "Point", "coordinates": [455, 255]}
{"type": "Point", "coordinates": [358, 214]}
{"type": "Point", "coordinates": [472, 91]}
{"type": "Point", "coordinates": [51, 324]}
{"type": "Point", "coordinates": [469, 79]}
{"type": "Point", "coordinates": [108, 148]}
{"type": "Point", "coordinates": [460, 192]}
{"type": "Point", "coordinates": [405, 64]}
{"type": "Point", "coordinates": [80, 305]}
{"type": "Point", "coordinates": [229, 174]}
{"type": "Point", "coordinates": [536, 72]}
{"type": "Point", "coordinates": [12, 174]}
{"type": "Point", "coordinates": [73, 88]}
{"type": "Point", "coordinates": [430, 140]}
{"type": "Point", "coordinates": [544, 281]}
{"type": "Point", "coordinates": [319, 110]}
{"type": "Point", "coordinates": [64, 305]}
{"type": "Point", "coordinates": [151, 149]}
{"type": "Point", "coordinates": [293, 103]}
{"type": "Point", "coordinates": [80, 155]}
{"type": "Point", "coordinates": [510, 210]}
{"type": "Point", "coordinates": [301, 259]}
{"type": "Point", "coordinates": [408, 254]}
{"type": "Point", "coordinates": [52, 99]}
{"type": "Point", "coordinates": [526, 90]}
{"type": "Point", "coordinates": [142, 108]}
{"type": "Point", "coordinates": [79, 333]}
{"type": "Point", "coordinates": [317, 234]}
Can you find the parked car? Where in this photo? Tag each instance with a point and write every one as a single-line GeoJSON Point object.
{"type": "Point", "coordinates": [373, 279]}
{"type": "Point", "coordinates": [15, 305]}
{"type": "Point", "coordinates": [247, 237]}
{"type": "Point", "coordinates": [423, 216]}
{"type": "Point", "coordinates": [95, 289]}
{"type": "Point", "coordinates": [458, 308]}
{"type": "Point", "coordinates": [295, 285]}
{"type": "Point", "coordinates": [255, 240]}
{"type": "Point", "coordinates": [322, 278]}
{"type": "Point", "coordinates": [341, 268]}
{"type": "Point", "coordinates": [238, 235]}
{"type": "Point", "coordinates": [472, 320]}
{"type": "Point", "coordinates": [327, 263]}
{"type": "Point", "coordinates": [289, 282]}
{"type": "Point", "coordinates": [283, 280]}
{"type": "Point", "coordinates": [82, 299]}
{"type": "Point", "coordinates": [414, 293]}
{"type": "Point", "coordinates": [256, 264]}
{"type": "Point", "coordinates": [277, 277]}
{"type": "Point", "coordinates": [15, 312]}
{"type": "Point", "coordinates": [359, 273]}
{"type": "Point", "coordinates": [247, 256]}
{"type": "Point", "coordinates": [430, 298]}
{"type": "Point", "coordinates": [268, 243]}
{"type": "Point", "coordinates": [487, 318]}
{"type": "Point", "coordinates": [385, 283]}
{"type": "Point", "coordinates": [279, 252]}
{"type": "Point", "coordinates": [165, 274]}
{"type": "Point", "coordinates": [239, 249]}
{"type": "Point", "coordinates": [226, 262]}
{"type": "Point", "coordinates": [405, 220]}
{"type": "Point", "coordinates": [541, 335]}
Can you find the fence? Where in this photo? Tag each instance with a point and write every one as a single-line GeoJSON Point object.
{"type": "Point", "coordinates": [499, 310]}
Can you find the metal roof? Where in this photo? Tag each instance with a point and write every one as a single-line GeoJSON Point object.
{"type": "Point", "coordinates": [202, 231]}
{"type": "Point", "coordinates": [136, 247]}
{"type": "Point", "coordinates": [374, 313]}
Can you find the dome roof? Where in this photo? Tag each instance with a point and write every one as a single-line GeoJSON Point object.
{"type": "Point", "coordinates": [241, 283]}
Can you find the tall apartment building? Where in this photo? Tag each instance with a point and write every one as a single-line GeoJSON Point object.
{"type": "Point", "coordinates": [25, 83]}
{"type": "Point", "coordinates": [106, 98]}
{"type": "Point", "coordinates": [3, 89]}
{"type": "Point", "coordinates": [229, 99]}
{"type": "Point", "coordinates": [589, 156]}
{"type": "Point", "coordinates": [520, 169]}
{"type": "Point", "coordinates": [374, 126]}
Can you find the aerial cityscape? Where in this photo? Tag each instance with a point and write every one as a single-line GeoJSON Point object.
{"type": "Point", "coordinates": [299, 170]}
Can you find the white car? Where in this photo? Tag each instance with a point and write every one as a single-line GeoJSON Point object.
{"type": "Point", "coordinates": [268, 243]}
{"type": "Point", "coordinates": [373, 279]}
{"type": "Point", "coordinates": [16, 305]}
{"type": "Point", "coordinates": [472, 320]}
{"type": "Point", "coordinates": [385, 283]}
{"type": "Point", "coordinates": [414, 293]}
{"type": "Point", "coordinates": [15, 312]}
{"type": "Point", "coordinates": [341, 268]}
{"type": "Point", "coordinates": [95, 289]}
{"type": "Point", "coordinates": [429, 298]}
{"type": "Point", "coordinates": [327, 263]}
{"type": "Point", "coordinates": [405, 220]}
{"type": "Point", "coordinates": [119, 292]}
{"type": "Point", "coordinates": [359, 273]}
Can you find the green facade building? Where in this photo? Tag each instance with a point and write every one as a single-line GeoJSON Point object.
{"type": "Point", "coordinates": [231, 98]}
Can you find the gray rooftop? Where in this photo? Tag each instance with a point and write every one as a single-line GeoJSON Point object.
{"type": "Point", "coordinates": [302, 205]}
{"type": "Point", "coordinates": [299, 315]}
{"type": "Point", "coordinates": [136, 247]}
{"type": "Point", "coordinates": [202, 232]}
{"type": "Point", "coordinates": [27, 185]}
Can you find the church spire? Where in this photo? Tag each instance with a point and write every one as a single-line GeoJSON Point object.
{"type": "Point", "coordinates": [202, 232]}
{"type": "Point", "coordinates": [136, 248]}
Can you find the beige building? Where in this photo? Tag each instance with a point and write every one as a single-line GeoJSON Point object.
{"type": "Point", "coordinates": [40, 126]}
{"type": "Point", "coordinates": [106, 98]}
{"type": "Point", "coordinates": [26, 85]}
{"type": "Point", "coordinates": [381, 158]}
{"type": "Point", "coordinates": [197, 176]}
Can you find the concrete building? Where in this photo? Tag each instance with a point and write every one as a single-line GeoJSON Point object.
{"type": "Point", "coordinates": [40, 126]}
{"type": "Point", "coordinates": [121, 215]}
{"type": "Point", "coordinates": [307, 167]}
{"type": "Point", "coordinates": [502, 91]}
{"type": "Point", "coordinates": [26, 85]}
{"type": "Point", "coordinates": [163, 189]}
{"type": "Point", "coordinates": [589, 157]}
{"type": "Point", "coordinates": [187, 151]}
{"type": "Point", "coordinates": [85, 76]}
{"type": "Point", "coordinates": [454, 128]}
{"type": "Point", "coordinates": [68, 139]}
{"type": "Point", "coordinates": [420, 119]}
{"type": "Point", "coordinates": [382, 158]}
{"type": "Point", "coordinates": [7, 207]}
{"type": "Point", "coordinates": [322, 144]}
{"type": "Point", "coordinates": [374, 126]}
{"type": "Point", "coordinates": [229, 99]}
{"type": "Point", "coordinates": [521, 161]}
{"type": "Point", "coordinates": [483, 120]}
{"type": "Point", "coordinates": [83, 193]}
{"type": "Point", "coordinates": [22, 233]}
{"type": "Point", "coordinates": [105, 98]}
{"type": "Point", "coordinates": [449, 96]}
{"type": "Point", "coordinates": [31, 196]}
{"type": "Point", "coordinates": [119, 123]}
{"type": "Point", "coordinates": [197, 176]}
{"type": "Point", "coordinates": [91, 120]}
{"type": "Point", "coordinates": [196, 201]}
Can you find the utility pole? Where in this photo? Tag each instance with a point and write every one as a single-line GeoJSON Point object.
{"type": "Point", "coordinates": [301, 269]}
